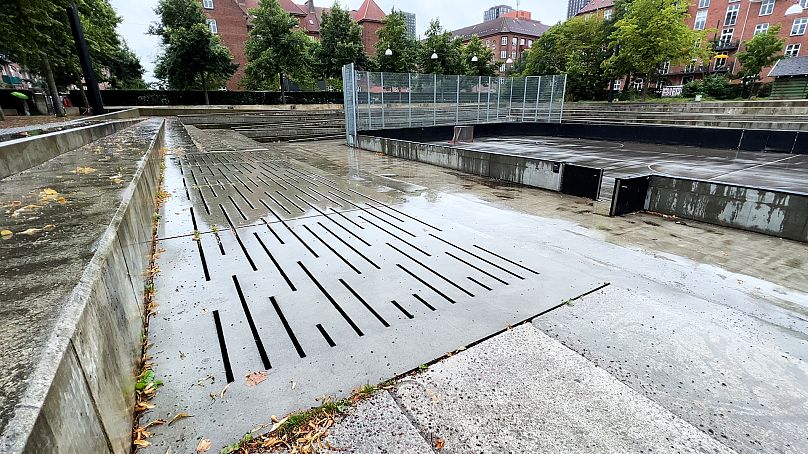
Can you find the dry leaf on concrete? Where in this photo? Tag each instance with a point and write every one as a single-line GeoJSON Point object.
{"type": "Point", "coordinates": [83, 170]}
{"type": "Point", "coordinates": [6, 234]}
{"type": "Point", "coordinates": [440, 443]}
{"type": "Point", "coordinates": [255, 378]}
{"type": "Point", "coordinates": [179, 416]}
{"type": "Point", "coordinates": [203, 445]}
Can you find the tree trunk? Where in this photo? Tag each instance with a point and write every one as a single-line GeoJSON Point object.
{"type": "Point", "coordinates": [2, 115]}
{"type": "Point", "coordinates": [205, 87]}
{"type": "Point", "coordinates": [54, 93]}
{"type": "Point", "coordinates": [283, 92]}
{"type": "Point", "coordinates": [84, 96]}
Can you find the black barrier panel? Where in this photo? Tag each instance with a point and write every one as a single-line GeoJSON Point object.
{"type": "Point", "coordinates": [781, 141]}
{"type": "Point", "coordinates": [801, 144]}
{"type": "Point", "coordinates": [581, 181]}
{"type": "Point", "coordinates": [629, 195]}
{"type": "Point", "coordinates": [718, 137]}
{"type": "Point", "coordinates": [754, 140]}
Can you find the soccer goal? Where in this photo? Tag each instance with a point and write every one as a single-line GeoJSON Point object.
{"type": "Point", "coordinates": [463, 134]}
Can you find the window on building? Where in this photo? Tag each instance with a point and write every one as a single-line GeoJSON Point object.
{"type": "Point", "coordinates": [793, 50]}
{"type": "Point", "coordinates": [766, 7]}
{"type": "Point", "coordinates": [660, 84]}
{"type": "Point", "coordinates": [726, 35]}
{"type": "Point", "coordinates": [616, 85]}
{"type": "Point", "coordinates": [732, 15]}
{"type": "Point", "coordinates": [530, 41]}
{"type": "Point", "coordinates": [212, 24]}
{"type": "Point", "coordinates": [514, 41]}
{"type": "Point", "coordinates": [522, 42]}
{"type": "Point", "coordinates": [733, 1]}
{"type": "Point", "coordinates": [503, 54]}
{"type": "Point", "coordinates": [761, 28]}
{"type": "Point", "coordinates": [487, 43]}
{"type": "Point", "coordinates": [607, 15]}
{"type": "Point", "coordinates": [799, 26]}
{"type": "Point", "coordinates": [804, 3]}
{"type": "Point", "coordinates": [207, 4]}
{"type": "Point", "coordinates": [701, 20]}
{"type": "Point", "coordinates": [665, 67]}
{"type": "Point", "coordinates": [513, 54]}
{"type": "Point", "coordinates": [637, 83]}
{"type": "Point", "coordinates": [704, 4]}
{"type": "Point", "coordinates": [504, 40]}
{"type": "Point", "coordinates": [720, 62]}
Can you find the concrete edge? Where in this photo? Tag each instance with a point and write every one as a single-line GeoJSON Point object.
{"type": "Point", "coordinates": [22, 154]}
{"type": "Point", "coordinates": [132, 112]}
{"type": "Point", "coordinates": [59, 411]}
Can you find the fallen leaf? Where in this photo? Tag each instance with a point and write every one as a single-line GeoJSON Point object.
{"type": "Point", "coordinates": [83, 170]}
{"type": "Point", "coordinates": [6, 234]}
{"type": "Point", "coordinates": [24, 210]}
{"type": "Point", "coordinates": [61, 200]}
{"type": "Point", "coordinates": [141, 443]}
{"type": "Point", "coordinates": [203, 445]}
{"type": "Point", "coordinates": [179, 416]}
{"type": "Point", "coordinates": [15, 203]}
{"type": "Point", "coordinates": [294, 385]}
{"type": "Point", "coordinates": [116, 180]}
{"type": "Point", "coordinates": [49, 191]}
{"type": "Point", "coordinates": [221, 396]}
{"type": "Point", "coordinates": [141, 406]}
{"type": "Point", "coordinates": [30, 232]}
{"type": "Point", "coordinates": [156, 422]}
{"type": "Point", "coordinates": [274, 419]}
{"type": "Point", "coordinates": [440, 443]}
{"type": "Point", "coordinates": [48, 227]}
{"type": "Point", "coordinates": [255, 378]}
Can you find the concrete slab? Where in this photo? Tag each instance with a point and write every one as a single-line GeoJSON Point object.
{"type": "Point", "coordinates": [377, 425]}
{"type": "Point", "coordinates": [524, 392]}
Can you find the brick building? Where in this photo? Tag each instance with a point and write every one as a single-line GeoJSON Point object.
{"type": "Point", "coordinates": [575, 6]}
{"type": "Point", "coordinates": [230, 20]}
{"type": "Point", "coordinates": [508, 36]}
{"type": "Point", "coordinates": [732, 23]}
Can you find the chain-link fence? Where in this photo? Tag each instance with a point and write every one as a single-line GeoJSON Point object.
{"type": "Point", "coordinates": [389, 100]}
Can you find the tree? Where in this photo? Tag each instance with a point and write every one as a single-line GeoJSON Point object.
{"type": "Point", "coordinates": [275, 50]}
{"type": "Point", "coordinates": [448, 49]}
{"type": "Point", "coordinates": [578, 48]}
{"type": "Point", "coordinates": [340, 42]}
{"type": "Point", "coordinates": [393, 36]}
{"type": "Point", "coordinates": [125, 70]}
{"type": "Point", "coordinates": [761, 51]}
{"type": "Point", "coordinates": [484, 66]}
{"type": "Point", "coordinates": [650, 33]}
{"type": "Point", "coordinates": [192, 57]}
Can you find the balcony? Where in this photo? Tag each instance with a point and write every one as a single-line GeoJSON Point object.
{"type": "Point", "coordinates": [725, 45]}
{"type": "Point", "coordinates": [713, 68]}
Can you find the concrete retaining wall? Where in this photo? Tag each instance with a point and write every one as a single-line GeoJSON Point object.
{"type": "Point", "coordinates": [21, 154]}
{"type": "Point", "coordinates": [782, 214]}
{"type": "Point", "coordinates": [82, 399]}
{"type": "Point", "coordinates": [527, 171]}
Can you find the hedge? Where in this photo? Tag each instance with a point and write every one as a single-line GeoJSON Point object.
{"type": "Point", "coordinates": [196, 98]}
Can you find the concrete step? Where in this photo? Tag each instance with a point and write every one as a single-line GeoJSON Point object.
{"type": "Point", "coordinates": [791, 126]}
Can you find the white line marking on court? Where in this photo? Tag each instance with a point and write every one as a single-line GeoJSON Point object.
{"type": "Point", "coordinates": [753, 167]}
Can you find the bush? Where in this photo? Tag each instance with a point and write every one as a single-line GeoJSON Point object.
{"type": "Point", "coordinates": [195, 98]}
{"type": "Point", "coordinates": [717, 87]}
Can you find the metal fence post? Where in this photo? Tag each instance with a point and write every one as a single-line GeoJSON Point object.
{"type": "Point", "coordinates": [457, 109]}
{"type": "Point", "coordinates": [552, 92]}
{"type": "Point", "coordinates": [479, 96]}
{"type": "Point", "coordinates": [524, 100]}
{"type": "Point", "coordinates": [435, 101]}
{"type": "Point", "coordinates": [409, 98]}
{"type": "Point", "coordinates": [381, 78]}
{"type": "Point", "coordinates": [563, 96]}
{"type": "Point", "coordinates": [370, 111]}
{"type": "Point", "coordinates": [488, 102]}
{"type": "Point", "coordinates": [510, 101]}
{"type": "Point", "coordinates": [538, 94]}
{"type": "Point", "coordinates": [499, 92]}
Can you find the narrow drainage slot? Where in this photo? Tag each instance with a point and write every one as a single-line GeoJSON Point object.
{"type": "Point", "coordinates": [272, 230]}
{"type": "Point", "coordinates": [193, 177]}
{"type": "Point", "coordinates": [326, 336]}
{"type": "Point", "coordinates": [185, 186]}
{"type": "Point", "coordinates": [275, 262]}
{"type": "Point", "coordinates": [251, 181]}
{"type": "Point", "coordinates": [246, 200]}
{"type": "Point", "coordinates": [288, 328]}
{"type": "Point", "coordinates": [430, 286]}
{"type": "Point", "coordinates": [193, 219]}
{"type": "Point", "coordinates": [402, 213]}
{"type": "Point", "coordinates": [348, 231]}
{"type": "Point", "coordinates": [301, 191]}
{"type": "Point", "coordinates": [227, 217]}
{"type": "Point", "coordinates": [210, 186]}
{"type": "Point", "coordinates": [290, 201]}
{"type": "Point", "coordinates": [276, 203]}
{"type": "Point", "coordinates": [326, 197]}
{"type": "Point", "coordinates": [478, 257]}
{"type": "Point", "coordinates": [348, 245]}
{"type": "Point", "coordinates": [426, 267]}
{"type": "Point", "coordinates": [507, 260]}
{"type": "Point", "coordinates": [397, 237]}
{"type": "Point", "coordinates": [364, 303]}
{"type": "Point", "coordinates": [383, 220]}
{"type": "Point", "coordinates": [204, 202]}
{"type": "Point", "coordinates": [404, 311]}
{"type": "Point", "coordinates": [259, 344]}
{"type": "Point", "coordinates": [228, 370]}
{"type": "Point", "coordinates": [238, 208]}
{"type": "Point", "coordinates": [479, 283]}
{"type": "Point", "coordinates": [244, 249]}
{"type": "Point", "coordinates": [202, 257]}
{"type": "Point", "coordinates": [347, 219]}
{"type": "Point", "coordinates": [332, 249]}
{"type": "Point", "coordinates": [331, 300]}
{"type": "Point", "coordinates": [423, 301]}
{"type": "Point", "coordinates": [385, 213]}
{"type": "Point", "coordinates": [225, 176]}
{"type": "Point", "coordinates": [476, 268]}
{"type": "Point", "coordinates": [309, 204]}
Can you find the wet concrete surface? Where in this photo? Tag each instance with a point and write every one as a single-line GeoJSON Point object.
{"type": "Point", "coordinates": [55, 212]}
{"type": "Point", "coordinates": [310, 209]}
{"type": "Point", "coordinates": [787, 172]}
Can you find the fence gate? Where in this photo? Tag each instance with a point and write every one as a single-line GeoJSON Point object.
{"type": "Point", "coordinates": [378, 100]}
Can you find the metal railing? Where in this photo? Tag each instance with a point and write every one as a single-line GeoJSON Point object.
{"type": "Point", "coordinates": [376, 100]}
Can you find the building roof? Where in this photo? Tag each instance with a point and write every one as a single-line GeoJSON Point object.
{"type": "Point", "coordinates": [793, 66]}
{"type": "Point", "coordinates": [503, 25]}
{"type": "Point", "coordinates": [369, 11]}
{"type": "Point", "coordinates": [595, 5]}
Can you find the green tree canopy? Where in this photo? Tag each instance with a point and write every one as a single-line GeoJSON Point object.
{"type": "Point", "coordinates": [192, 56]}
{"type": "Point", "coordinates": [340, 42]}
{"type": "Point", "coordinates": [275, 50]}
{"type": "Point", "coordinates": [448, 49]}
{"type": "Point", "coordinates": [125, 70]}
{"type": "Point", "coordinates": [650, 33]}
{"type": "Point", "coordinates": [575, 47]}
{"type": "Point", "coordinates": [393, 36]}
{"type": "Point", "coordinates": [485, 65]}
{"type": "Point", "coordinates": [763, 50]}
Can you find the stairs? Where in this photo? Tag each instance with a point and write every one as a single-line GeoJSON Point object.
{"type": "Point", "coordinates": [275, 126]}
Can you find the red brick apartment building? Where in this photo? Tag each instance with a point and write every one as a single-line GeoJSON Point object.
{"type": "Point", "coordinates": [508, 36]}
{"type": "Point", "coordinates": [230, 19]}
{"type": "Point", "coordinates": [732, 22]}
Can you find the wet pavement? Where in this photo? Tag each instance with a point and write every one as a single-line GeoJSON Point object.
{"type": "Point", "coordinates": [328, 268]}
{"type": "Point", "coordinates": [787, 172]}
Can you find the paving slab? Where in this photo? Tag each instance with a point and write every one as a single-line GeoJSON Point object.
{"type": "Point", "coordinates": [522, 391]}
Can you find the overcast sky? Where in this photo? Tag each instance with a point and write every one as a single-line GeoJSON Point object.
{"type": "Point", "coordinates": [453, 14]}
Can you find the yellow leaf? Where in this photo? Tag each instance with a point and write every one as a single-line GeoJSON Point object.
{"type": "Point", "coordinates": [48, 227]}
{"type": "Point", "coordinates": [203, 445]}
{"type": "Point", "coordinates": [6, 234]}
{"type": "Point", "coordinates": [141, 443]}
{"type": "Point", "coordinates": [179, 416]}
{"type": "Point", "coordinates": [83, 170]}
{"type": "Point", "coordinates": [61, 200]}
{"type": "Point", "coordinates": [49, 191]}
{"type": "Point", "coordinates": [145, 406]}
{"type": "Point", "coordinates": [30, 232]}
